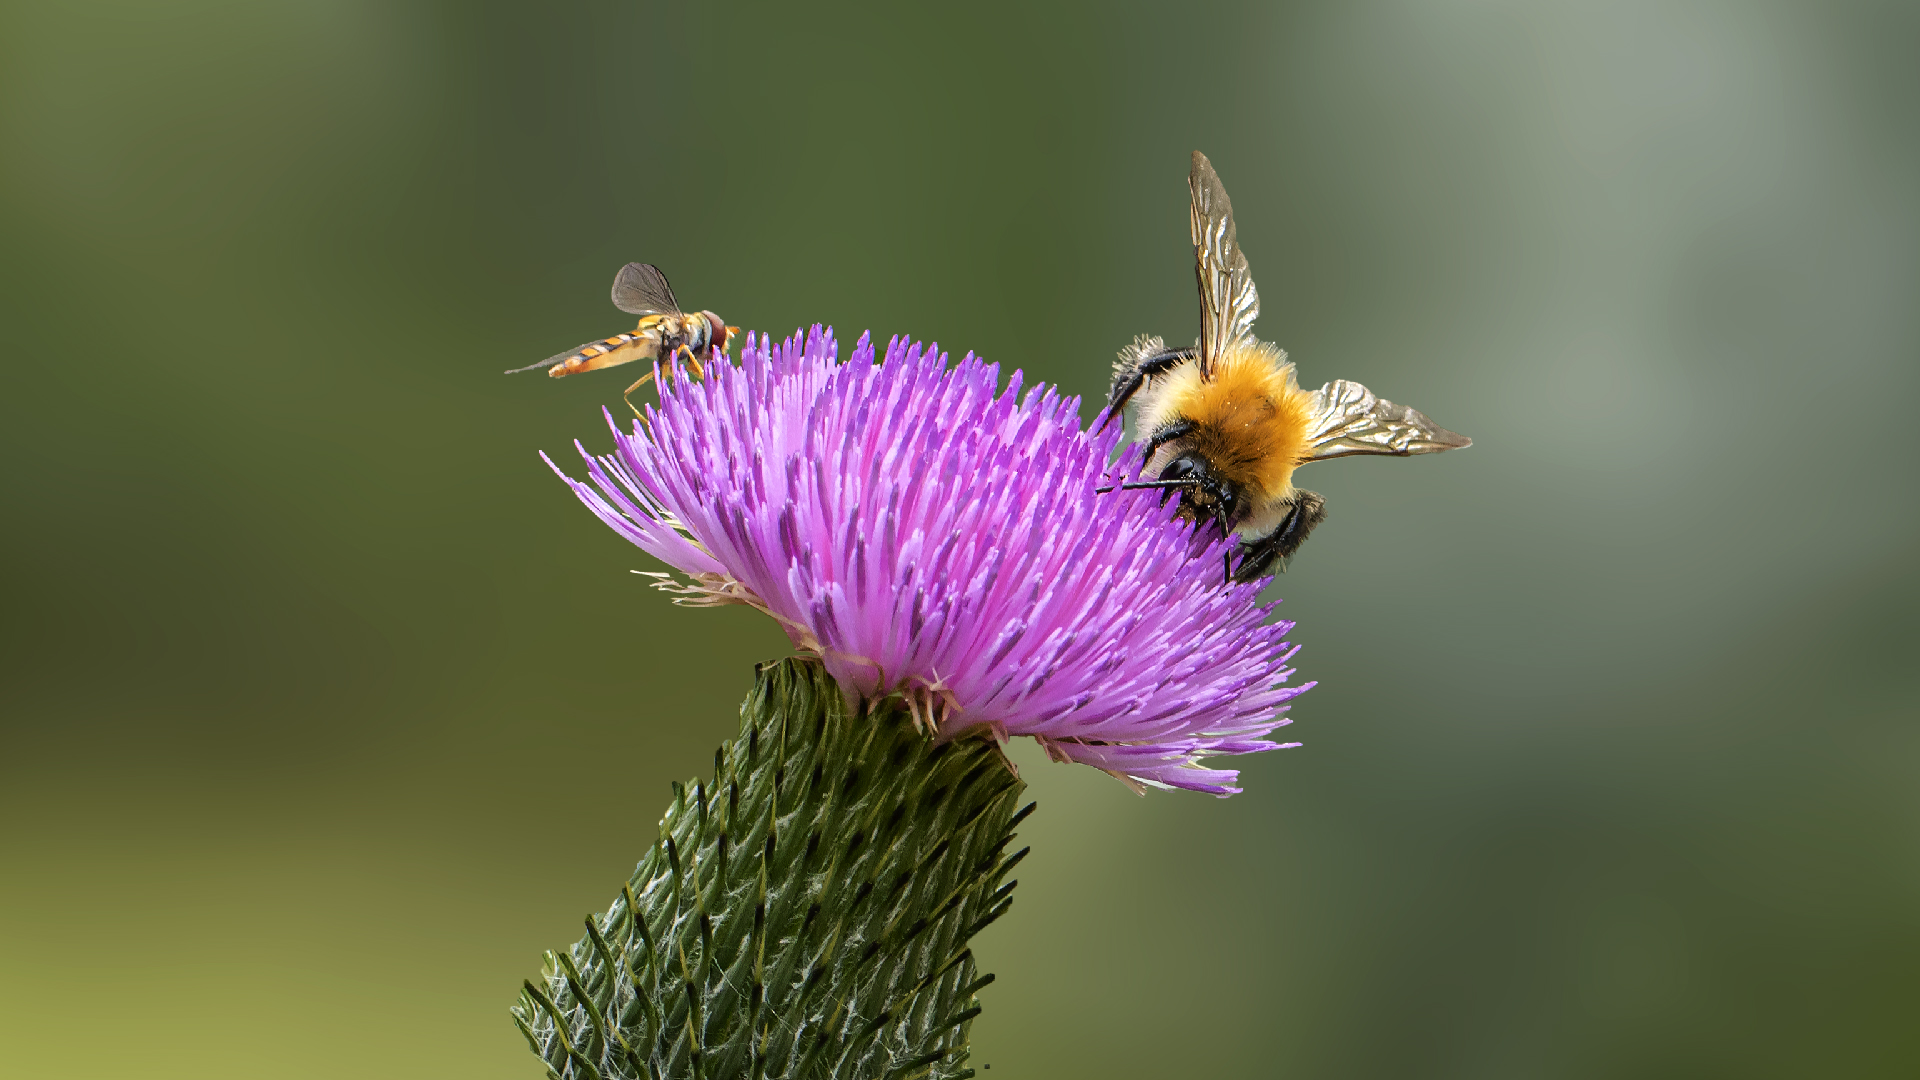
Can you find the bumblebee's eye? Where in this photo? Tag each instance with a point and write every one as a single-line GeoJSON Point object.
{"type": "Point", "coordinates": [1181, 468]}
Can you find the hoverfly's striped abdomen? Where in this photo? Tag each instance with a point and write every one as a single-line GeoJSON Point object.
{"type": "Point", "coordinates": [618, 349]}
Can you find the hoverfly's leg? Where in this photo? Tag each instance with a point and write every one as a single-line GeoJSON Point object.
{"type": "Point", "coordinates": [1307, 510]}
{"type": "Point", "coordinates": [673, 359]}
{"type": "Point", "coordinates": [1143, 367]}
{"type": "Point", "coordinates": [638, 383]}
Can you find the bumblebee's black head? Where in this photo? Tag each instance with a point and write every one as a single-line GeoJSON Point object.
{"type": "Point", "coordinates": [1204, 495]}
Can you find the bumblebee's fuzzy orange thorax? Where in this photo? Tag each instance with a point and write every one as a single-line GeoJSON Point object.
{"type": "Point", "coordinates": [1251, 416]}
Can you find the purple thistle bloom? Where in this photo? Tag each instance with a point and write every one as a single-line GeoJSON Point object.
{"type": "Point", "coordinates": [925, 535]}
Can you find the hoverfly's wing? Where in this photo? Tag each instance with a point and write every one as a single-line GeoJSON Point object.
{"type": "Point", "coordinates": [1228, 301]}
{"type": "Point", "coordinates": [641, 289]}
{"type": "Point", "coordinates": [1349, 419]}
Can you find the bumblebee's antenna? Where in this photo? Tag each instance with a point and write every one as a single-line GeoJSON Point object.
{"type": "Point", "coordinates": [1147, 484]}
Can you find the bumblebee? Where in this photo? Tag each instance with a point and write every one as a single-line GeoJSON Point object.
{"type": "Point", "coordinates": [664, 331]}
{"type": "Point", "coordinates": [1226, 423]}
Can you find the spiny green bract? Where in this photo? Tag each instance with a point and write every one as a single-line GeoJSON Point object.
{"type": "Point", "coordinates": [805, 915]}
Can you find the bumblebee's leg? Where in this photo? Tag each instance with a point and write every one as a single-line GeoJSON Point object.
{"type": "Point", "coordinates": [1166, 434]}
{"type": "Point", "coordinates": [1308, 510]}
{"type": "Point", "coordinates": [1128, 382]}
{"type": "Point", "coordinates": [1229, 513]}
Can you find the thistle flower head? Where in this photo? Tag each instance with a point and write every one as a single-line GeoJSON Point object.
{"type": "Point", "coordinates": [925, 533]}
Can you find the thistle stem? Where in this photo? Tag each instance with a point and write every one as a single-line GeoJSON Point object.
{"type": "Point", "coordinates": [834, 891]}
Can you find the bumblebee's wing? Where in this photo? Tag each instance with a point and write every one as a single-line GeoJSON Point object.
{"type": "Point", "coordinates": [1228, 300]}
{"type": "Point", "coordinates": [641, 289]}
{"type": "Point", "coordinates": [1349, 419]}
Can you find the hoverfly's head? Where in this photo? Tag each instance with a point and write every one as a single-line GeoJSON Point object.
{"type": "Point", "coordinates": [1204, 495]}
{"type": "Point", "coordinates": [719, 334]}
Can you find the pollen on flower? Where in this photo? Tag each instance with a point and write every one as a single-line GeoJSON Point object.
{"type": "Point", "coordinates": [927, 533]}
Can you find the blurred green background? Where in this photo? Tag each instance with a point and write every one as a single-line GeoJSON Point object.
{"type": "Point", "coordinates": [326, 707]}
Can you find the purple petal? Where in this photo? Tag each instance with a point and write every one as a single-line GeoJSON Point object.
{"type": "Point", "coordinates": [926, 533]}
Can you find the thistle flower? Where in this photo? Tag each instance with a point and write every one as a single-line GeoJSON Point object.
{"type": "Point", "coordinates": [927, 535]}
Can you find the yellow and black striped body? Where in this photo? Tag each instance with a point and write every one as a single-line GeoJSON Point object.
{"type": "Point", "coordinates": [656, 337]}
{"type": "Point", "coordinates": [665, 335]}
{"type": "Point", "coordinates": [618, 349]}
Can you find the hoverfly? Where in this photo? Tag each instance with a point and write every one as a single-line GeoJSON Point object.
{"type": "Point", "coordinates": [1226, 422]}
{"type": "Point", "coordinates": [664, 331]}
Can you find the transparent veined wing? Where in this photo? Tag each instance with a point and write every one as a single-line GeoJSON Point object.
{"type": "Point", "coordinates": [1228, 301]}
{"type": "Point", "coordinates": [1350, 419]}
{"type": "Point", "coordinates": [641, 289]}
